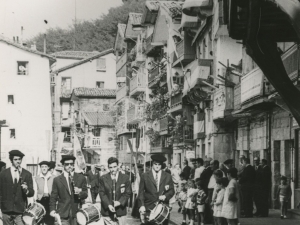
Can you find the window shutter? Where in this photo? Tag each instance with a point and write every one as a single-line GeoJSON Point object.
{"type": "Point", "coordinates": [101, 64]}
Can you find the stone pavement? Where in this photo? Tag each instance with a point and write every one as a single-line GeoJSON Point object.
{"type": "Point", "coordinates": [273, 219]}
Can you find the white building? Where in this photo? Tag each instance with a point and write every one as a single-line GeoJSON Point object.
{"type": "Point", "coordinates": [25, 103]}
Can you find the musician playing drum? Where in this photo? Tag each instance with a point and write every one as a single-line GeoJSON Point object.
{"type": "Point", "coordinates": [68, 190]}
{"type": "Point", "coordinates": [15, 186]}
{"type": "Point", "coordinates": [156, 186]}
{"type": "Point", "coordinates": [44, 183]}
{"type": "Point", "coordinates": [114, 191]}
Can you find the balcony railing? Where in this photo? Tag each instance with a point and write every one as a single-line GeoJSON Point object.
{"type": "Point", "coordinates": [121, 62]}
{"type": "Point", "coordinates": [185, 52]}
{"type": "Point", "coordinates": [135, 114]}
{"type": "Point", "coordinates": [121, 93]}
{"type": "Point", "coordinates": [188, 133]}
{"type": "Point", "coordinates": [95, 142]}
{"type": "Point", "coordinates": [149, 47]}
{"type": "Point", "coordinates": [152, 75]}
{"type": "Point", "coordinates": [164, 125]}
{"type": "Point", "coordinates": [130, 114]}
{"type": "Point", "coordinates": [161, 146]}
{"type": "Point", "coordinates": [176, 99]}
{"type": "Point", "coordinates": [138, 84]}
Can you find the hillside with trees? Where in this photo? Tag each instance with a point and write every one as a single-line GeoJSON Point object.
{"type": "Point", "coordinates": [96, 35]}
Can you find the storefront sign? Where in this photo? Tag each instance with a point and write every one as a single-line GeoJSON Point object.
{"type": "Point", "coordinates": [252, 85]}
{"type": "Point", "coordinates": [219, 103]}
{"type": "Point", "coordinates": [190, 154]}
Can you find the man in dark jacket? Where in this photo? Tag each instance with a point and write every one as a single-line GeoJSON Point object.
{"type": "Point", "coordinates": [155, 185]}
{"type": "Point", "coordinates": [2, 166]}
{"type": "Point", "coordinates": [186, 170]}
{"type": "Point", "coordinates": [247, 179]}
{"type": "Point", "coordinates": [266, 177]}
{"type": "Point", "coordinates": [114, 191]}
{"type": "Point", "coordinates": [15, 186]}
{"type": "Point", "coordinates": [257, 195]}
{"type": "Point", "coordinates": [92, 179]}
{"type": "Point", "coordinates": [68, 190]}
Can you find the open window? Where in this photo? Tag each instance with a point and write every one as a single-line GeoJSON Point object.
{"type": "Point", "coordinates": [66, 83]}
{"type": "Point", "coordinates": [22, 68]}
{"type": "Point", "coordinates": [12, 133]}
{"type": "Point", "coordinates": [99, 84]}
{"type": "Point", "coordinates": [101, 64]}
{"type": "Point", "coordinates": [10, 99]}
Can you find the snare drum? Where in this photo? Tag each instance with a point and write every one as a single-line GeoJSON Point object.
{"type": "Point", "coordinates": [159, 214]}
{"type": "Point", "coordinates": [88, 215]}
{"type": "Point", "coordinates": [33, 214]}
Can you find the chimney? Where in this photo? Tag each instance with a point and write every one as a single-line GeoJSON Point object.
{"type": "Point", "coordinates": [45, 44]}
{"type": "Point", "coordinates": [33, 47]}
{"type": "Point", "coordinates": [21, 38]}
{"type": "Point", "coordinates": [18, 39]}
{"type": "Point", "coordinates": [14, 39]}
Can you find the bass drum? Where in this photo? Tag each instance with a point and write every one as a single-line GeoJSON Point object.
{"type": "Point", "coordinates": [159, 214]}
{"type": "Point", "coordinates": [88, 215]}
{"type": "Point", "coordinates": [33, 214]}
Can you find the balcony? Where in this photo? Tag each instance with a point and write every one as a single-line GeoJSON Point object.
{"type": "Point", "coordinates": [176, 103]}
{"type": "Point", "coordinates": [161, 146]}
{"type": "Point", "coordinates": [188, 134]}
{"type": "Point", "coordinates": [135, 114]}
{"type": "Point", "coordinates": [153, 74]}
{"type": "Point", "coordinates": [95, 142]}
{"type": "Point", "coordinates": [148, 46]}
{"type": "Point", "coordinates": [121, 62]}
{"type": "Point", "coordinates": [138, 84]}
{"type": "Point", "coordinates": [121, 93]}
{"type": "Point", "coordinates": [164, 125]}
{"type": "Point", "coordinates": [186, 53]}
{"type": "Point", "coordinates": [130, 114]}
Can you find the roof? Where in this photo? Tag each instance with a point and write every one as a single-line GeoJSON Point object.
{"type": "Point", "coordinates": [74, 54]}
{"type": "Point", "coordinates": [121, 29]}
{"type": "Point", "coordinates": [94, 92]}
{"type": "Point", "coordinates": [98, 118]}
{"type": "Point", "coordinates": [174, 9]}
{"type": "Point", "coordinates": [135, 18]}
{"type": "Point", "coordinates": [20, 46]}
{"type": "Point", "coordinates": [152, 5]}
{"type": "Point", "coordinates": [84, 60]}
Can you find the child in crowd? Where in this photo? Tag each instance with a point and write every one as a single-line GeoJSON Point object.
{"type": "Point", "coordinates": [201, 196]}
{"type": "Point", "coordinates": [284, 192]}
{"type": "Point", "coordinates": [182, 197]}
{"type": "Point", "coordinates": [190, 206]}
{"type": "Point", "coordinates": [218, 203]}
{"type": "Point", "coordinates": [181, 183]}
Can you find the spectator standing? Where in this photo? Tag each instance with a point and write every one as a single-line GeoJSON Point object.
{"type": "Point", "coordinates": [190, 205]}
{"type": "Point", "coordinates": [182, 198]}
{"type": "Point", "coordinates": [193, 169]}
{"type": "Point", "coordinates": [284, 192]}
{"type": "Point", "coordinates": [218, 203]}
{"type": "Point", "coordinates": [175, 172]}
{"type": "Point", "coordinates": [266, 187]}
{"type": "Point", "coordinates": [231, 202]}
{"type": "Point", "coordinates": [199, 168]}
{"type": "Point", "coordinates": [257, 195]}
{"type": "Point", "coordinates": [247, 179]}
{"type": "Point", "coordinates": [186, 170]}
{"type": "Point", "coordinates": [201, 197]}
{"type": "Point", "coordinates": [92, 181]}
{"type": "Point", "coordinates": [226, 166]}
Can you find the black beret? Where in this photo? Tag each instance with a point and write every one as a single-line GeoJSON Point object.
{"type": "Point", "coordinates": [67, 157]}
{"type": "Point", "coordinates": [2, 164]}
{"type": "Point", "coordinates": [228, 161]}
{"type": "Point", "coordinates": [158, 158]}
{"type": "Point", "coordinates": [44, 163]}
{"type": "Point", "coordinates": [16, 153]}
{"type": "Point", "coordinates": [52, 164]}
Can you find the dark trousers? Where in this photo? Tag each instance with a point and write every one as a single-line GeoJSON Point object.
{"type": "Point", "coordinates": [257, 197]}
{"type": "Point", "coordinates": [12, 219]}
{"type": "Point", "coordinates": [208, 212]}
{"type": "Point", "coordinates": [71, 220]}
{"type": "Point", "coordinates": [94, 193]}
{"type": "Point", "coordinates": [48, 220]}
{"type": "Point", "coordinates": [248, 201]}
{"type": "Point", "coordinates": [265, 202]}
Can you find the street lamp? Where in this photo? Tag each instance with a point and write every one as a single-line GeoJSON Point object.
{"type": "Point", "coordinates": [2, 124]}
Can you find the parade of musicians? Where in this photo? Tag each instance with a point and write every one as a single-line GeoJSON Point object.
{"type": "Point", "coordinates": [149, 112]}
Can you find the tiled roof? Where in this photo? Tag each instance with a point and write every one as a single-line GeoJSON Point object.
{"type": "Point", "coordinates": [98, 118]}
{"type": "Point", "coordinates": [135, 18]}
{"type": "Point", "coordinates": [152, 5]}
{"type": "Point", "coordinates": [74, 54]}
{"type": "Point", "coordinates": [94, 92]}
{"type": "Point", "coordinates": [173, 8]}
{"type": "Point", "coordinates": [17, 45]}
{"type": "Point", "coordinates": [84, 60]}
{"type": "Point", "coordinates": [121, 28]}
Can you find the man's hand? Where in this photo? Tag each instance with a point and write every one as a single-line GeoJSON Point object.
{"type": "Point", "coordinates": [77, 190]}
{"type": "Point", "coordinates": [162, 197]}
{"type": "Point", "coordinates": [111, 208]}
{"type": "Point", "coordinates": [24, 186]}
{"type": "Point", "coordinates": [117, 203]}
{"type": "Point", "coordinates": [142, 210]}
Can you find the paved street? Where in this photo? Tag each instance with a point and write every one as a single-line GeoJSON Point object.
{"type": "Point", "coordinates": [176, 218]}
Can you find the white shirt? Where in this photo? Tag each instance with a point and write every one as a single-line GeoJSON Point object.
{"type": "Point", "coordinates": [158, 176]}
{"type": "Point", "coordinates": [198, 172]}
{"type": "Point", "coordinates": [67, 178]}
{"type": "Point", "coordinates": [15, 173]}
{"type": "Point", "coordinates": [212, 182]}
{"type": "Point", "coordinates": [46, 191]}
{"type": "Point", "coordinates": [116, 176]}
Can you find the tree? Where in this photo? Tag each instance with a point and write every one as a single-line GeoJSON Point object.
{"type": "Point", "coordinates": [95, 35]}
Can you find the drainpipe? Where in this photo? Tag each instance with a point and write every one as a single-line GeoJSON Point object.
{"type": "Point", "coordinates": [293, 163]}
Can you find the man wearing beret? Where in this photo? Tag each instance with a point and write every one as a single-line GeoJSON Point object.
{"type": "Point", "coordinates": [156, 185]}
{"type": "Point", "coordinates": [68, 190]}
{"type": "Point", "coordinates": [15, 186]}
{"type": "Point", "coordinates": [44, 182]}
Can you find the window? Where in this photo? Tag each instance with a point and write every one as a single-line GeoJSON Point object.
{"type": "Point", "coordinates": [12, 133]}
{"type": "Point", "coordinates": [105, 107]}
{"type": "Point", "coordinates": [66, 83]}
{"type": "Point", "coordinates": [33, 169]}
{"type": "Point", "coordinates": [52, 78]}
{"type": "Point", "coordinates": [96, 131]}
{"type": "Point", "coordinates": [99, 84]}
{"type": "Point", "coordinates": [101, 64]}
{"type": "Point", "coordinates": [10, 99]}
{"type": "Point", "coordinates": [22, 68]}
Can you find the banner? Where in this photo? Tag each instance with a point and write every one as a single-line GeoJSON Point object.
{"type": "Point", "coordinates": [80, 162]}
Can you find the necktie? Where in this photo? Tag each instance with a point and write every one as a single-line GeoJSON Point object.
{"type": "Point", "coordinates": [16, 175]}
{"type": "Point", "coordinates": [156, 181]}
{"type": "Point", "coordinates": [70, 184]}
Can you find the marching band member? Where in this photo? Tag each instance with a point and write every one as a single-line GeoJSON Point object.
{"type": "Point", "coordinates": [114, 191]}
{"type": "Point", "coordinates": [15, 186]}
{"type": "Point", "coordinates": [44, 183]}
{"type": "Point", "coordinates": [155, 185]}
{"type": "Point", "coordinates": [92, 177]}
{"type": "Point", "coordinates": [68, 190]}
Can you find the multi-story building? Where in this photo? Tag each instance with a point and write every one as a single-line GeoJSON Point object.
{"type": "Point", "coordinates": [97, 71]}
{"type": "Point", "coordinates": [25, 103]}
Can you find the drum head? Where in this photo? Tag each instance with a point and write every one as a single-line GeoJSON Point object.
{"type": "Point", "coordinates": [28, 220]}
{"type": "Point", "coordinates": [81, 219]}
{"type": "Point", "coordinates": [155, 212]}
